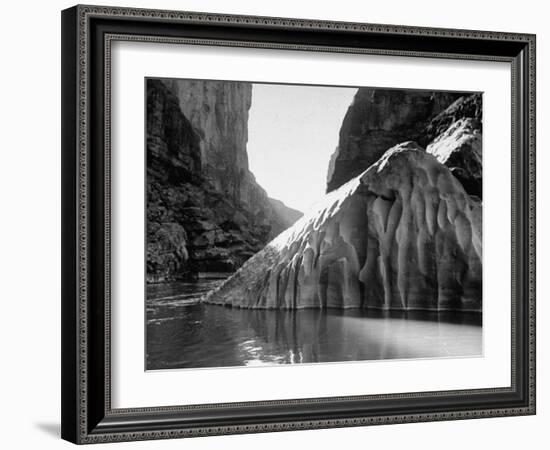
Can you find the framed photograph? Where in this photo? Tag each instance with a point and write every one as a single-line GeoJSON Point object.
{"type": "Point", "coordinates": [279, 224]}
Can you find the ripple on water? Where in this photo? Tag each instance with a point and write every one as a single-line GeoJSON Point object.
{"type": "Point", "coordinates": [184, 333]}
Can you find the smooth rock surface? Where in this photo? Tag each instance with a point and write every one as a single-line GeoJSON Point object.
{"type": "Point", "coordinates": [402, 235]}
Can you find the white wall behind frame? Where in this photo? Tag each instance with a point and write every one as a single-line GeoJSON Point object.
{"type": "Point", "coordinates": [30, 229]}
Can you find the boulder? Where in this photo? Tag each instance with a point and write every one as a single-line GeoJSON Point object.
{"type": "Point", "coordinates": [402, 235]}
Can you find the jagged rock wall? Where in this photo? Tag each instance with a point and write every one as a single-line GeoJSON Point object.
{"type": "Point", "coordinates": [459, 148]}
{"type": "Point", "coordinates": [454, 136]}
{"type": "Point", "coordinates": [377, 120]}
{"type": "Point", "coordinates": [402, 235]}
{"type": "Point", "coordinates": [205, 211]}
{"type": "Point", "coordinates": [172, 154]}
{"type": "Point", "coordinates": [465, 107]}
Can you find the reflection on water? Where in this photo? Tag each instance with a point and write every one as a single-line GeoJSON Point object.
{"type": "Point", "coordinates": [182, 333]}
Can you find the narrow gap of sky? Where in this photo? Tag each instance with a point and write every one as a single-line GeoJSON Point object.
{"type": "Point", "coordinates": [292, 132]}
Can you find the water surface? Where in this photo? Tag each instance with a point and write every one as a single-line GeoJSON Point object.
{"type": "Point", "coordinates": [184, 333]}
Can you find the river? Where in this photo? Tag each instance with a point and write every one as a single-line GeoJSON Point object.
{"type": "Point", "coordinates": [184, 333]}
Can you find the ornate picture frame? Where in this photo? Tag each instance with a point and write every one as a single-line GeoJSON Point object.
{"type": "Point", "coordinates": [88, 33]}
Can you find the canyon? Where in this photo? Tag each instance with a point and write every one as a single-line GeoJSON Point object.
{"type": "Point", "coordinates": [205, 210]}
{"type": "Point", "coordinates": [400, 227]}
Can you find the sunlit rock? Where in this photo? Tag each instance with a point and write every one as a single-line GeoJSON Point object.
{"type": "Point", "coordinates": [459, 148]}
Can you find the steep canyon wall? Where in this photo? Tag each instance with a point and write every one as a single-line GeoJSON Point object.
{"type": "Point", "coordinates": [205, 210]}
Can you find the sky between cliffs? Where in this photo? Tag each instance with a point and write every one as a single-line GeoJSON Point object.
{"type": "Point", "coordinates": [292, 132]}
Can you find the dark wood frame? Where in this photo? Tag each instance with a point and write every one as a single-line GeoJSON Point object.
{"type": "Point", "coordinates": [87, 32]}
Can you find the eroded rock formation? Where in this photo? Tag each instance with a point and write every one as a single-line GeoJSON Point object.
{"type": "Point", "coordinates": [205, 211]}
{"type": "Point", "coordinates": [377, 120]}
{"type": "Point", "coordinates": [402, 235]}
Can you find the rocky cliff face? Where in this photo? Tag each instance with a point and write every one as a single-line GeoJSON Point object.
{"type": "Point", "coordinates": [377, 120]}
{"type": "Point", "coordinates": [218, 111]}
{"type": "Point", "coordinates": [402, 235]}
{"type": "Point", "coordinates": [465, 107]}
{"type": "Point", "coordinates": [172, 154]}
{"type": "Point", "coordinates": [205, 211]}
{"type": "Point", "coordinates": [459, 148]}
{"type": "Point", "coordinates": [454, 137]}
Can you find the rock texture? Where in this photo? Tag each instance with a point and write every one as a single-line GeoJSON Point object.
{"type": "Point", "coordinates": [459, 148]}
{"type": "Point", "coordinates": [218, 111]}
{"type": "Point", "coordinates": [465, 107]}
{"type": "Point", "coordinates": [454, 136]}
{"type": "Point", "coordinates": [377, 120]}
{"type": "Point", "coordinates": [402, 235]}
{"type": "Point", "coordinates": [205, 211]}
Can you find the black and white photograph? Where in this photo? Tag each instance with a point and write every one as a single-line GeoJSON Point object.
{"type": "Point", "coordinates": [297, 224]}
{"type": "Point", "coordinates": [275, 225]}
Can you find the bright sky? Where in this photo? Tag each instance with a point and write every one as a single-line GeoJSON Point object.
{"type": "Point", "coordinates": [292, 132]}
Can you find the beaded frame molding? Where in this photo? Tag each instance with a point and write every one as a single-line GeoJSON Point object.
{"type": "Point", "coordinates": [87, 35]}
